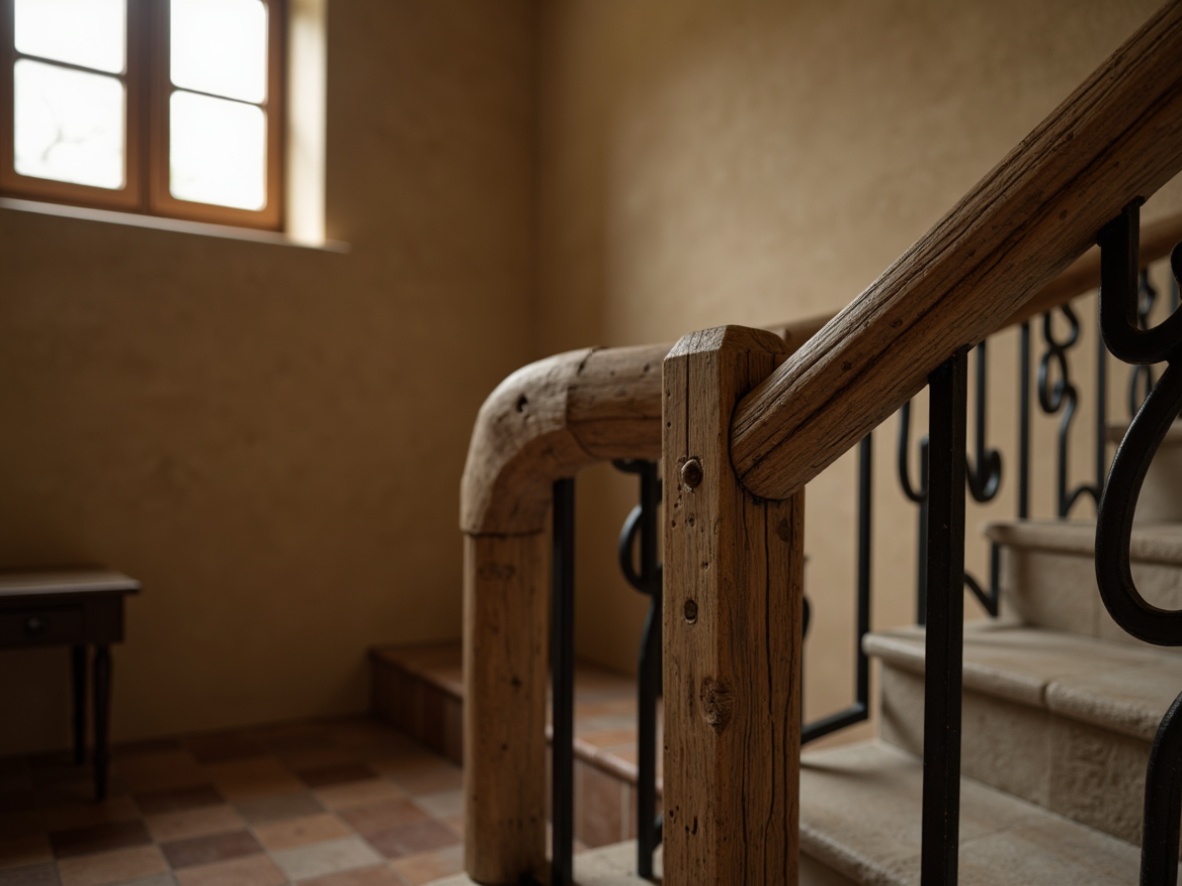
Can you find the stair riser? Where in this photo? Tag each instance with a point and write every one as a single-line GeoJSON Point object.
{"type": "Point", "coordinates": [1057, 590]}
{"type": "Point", "coordinates": [1084, 772]}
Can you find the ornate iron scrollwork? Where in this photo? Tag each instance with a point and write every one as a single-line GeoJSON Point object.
{"type": "Point", "coordinates": [1127, 338]}
{"type": "Point", "coordinates": [1056, 392]}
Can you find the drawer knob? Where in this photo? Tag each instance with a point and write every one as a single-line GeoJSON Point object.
{"type": "Point", "coordinates": [34, 625]}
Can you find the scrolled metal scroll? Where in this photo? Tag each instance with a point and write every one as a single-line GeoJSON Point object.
{"type": "Point", "coordinates": [1114, 524]}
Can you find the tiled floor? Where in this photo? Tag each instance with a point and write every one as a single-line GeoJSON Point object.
{"type": "Point", "coordinates": [340, 803]}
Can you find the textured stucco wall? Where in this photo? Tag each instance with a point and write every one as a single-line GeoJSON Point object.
{"type": "Point", "coordinates": [705, 162]}
{"type": "Point", "coordinates": [269, 437]}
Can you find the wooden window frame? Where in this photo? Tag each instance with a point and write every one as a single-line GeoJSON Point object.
{"type": "Point", "coordinates": [146, 120]}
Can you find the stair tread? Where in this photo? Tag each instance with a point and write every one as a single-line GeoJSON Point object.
{"type": "Point", "coordinates": [1150, 543]}
{"type": "Point", "coordinates": [860, 815]}
{"type": "Point", "coordinates": [1118, 686]}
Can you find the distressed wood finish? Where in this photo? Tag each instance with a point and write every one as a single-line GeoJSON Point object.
{"type": "Point", "coordinates": [732, 630]}
{"type": "Point", "coordinates": [505, 680]}
{"type": "Point", "coordinates": [1117, 137]}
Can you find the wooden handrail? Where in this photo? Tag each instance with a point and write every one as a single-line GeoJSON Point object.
{"type": "Point", "coordinates": [1116, 138]}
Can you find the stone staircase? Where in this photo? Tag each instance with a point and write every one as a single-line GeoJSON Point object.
{"type": "Point", "coordinates": [1060, 710]}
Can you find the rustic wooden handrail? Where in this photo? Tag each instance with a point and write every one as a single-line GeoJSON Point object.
{"type": "Point", "coordinates": [1116, 138]}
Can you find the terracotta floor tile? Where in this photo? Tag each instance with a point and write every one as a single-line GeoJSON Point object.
{"type": "Point", "coordinates": [418, 869]}
{"type": "Point", "coordinates": [159, 771]}
{"type": "Point", "coordinates": [375, 876]}
{"type": "Point", "coordinates": [412, 839]}
{"type": "Point", "coordinates": [359, 793]}
{"type": "Point", "coordinates": [311, 758]}
{"type": "Point", "coordinates": [210, 848]}
{"type": "Point", "coordinates": [443, 805]}
{"type": "Point", "coordinates": [157, 880]}
{"type": "Point", "coordinates": [98, 838]}
{"type": "Point", "coordinates": [223, 747]}
{"type": "Point", "coordinates": [383, 816]}
{"type": "Point", "coordinates": [340, 773]}
{"type": "Point", "coordinates": [193, 822]}
{"type": "Point", "coordinates": [19, 852]}
{"type": "Point", "coordinates": [120, 866]}
{"type": "Point", "coordinates": [278, 806]}
{"type": "Point", "coordinates": [319, 859]}
{"type": "Point", "coordinates": [30, 875]}
{"type": "Point", "coordinates": [254, 777]}
{"type": "Point", "coordinates": [437, 776]}
{"type": "Point", "coordinates": [176, 799]}
{"type": "Point", "coordinates": [294, 832]}
{"type": "Point", "coordinates": [255, 870]}
{"type": "Point", "coordinates": [299, 738]}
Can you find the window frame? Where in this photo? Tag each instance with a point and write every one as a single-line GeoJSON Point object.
{"type": "Point", "coordinates": [148, 89]}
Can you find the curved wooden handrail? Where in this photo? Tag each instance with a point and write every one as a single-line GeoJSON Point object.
{"type": "Point", "coordinates": [1116, 138]}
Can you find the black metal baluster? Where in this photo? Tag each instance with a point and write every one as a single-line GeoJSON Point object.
{"type": "Point", "coordinates": [860, 709]}
{"type": "Point", "coordinates": [945, 623]}
{"type": "Point", "coordinates": [641, 529]}
{"type": "Point", "coordinates": [1024, 423]}
{"type": "Point", "coordinates": [1131, 343]}
{"type": "Point", "coordinates": [1142, 376]}
{"type": "Point", "coordinates": [984, 478]}
{"type": "Point", "coordinates": [562, 684]}
{"type": "Point", "coordinates": [918, 495]}
{"type": "Point", "coordinates": [1060, 394]}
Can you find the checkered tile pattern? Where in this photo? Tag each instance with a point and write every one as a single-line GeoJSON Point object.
{"type": "Point", "coordinates": [341, 803]}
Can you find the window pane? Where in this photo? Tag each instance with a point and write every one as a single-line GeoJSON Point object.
{"type": "Point", "coordinates": [90, 33]}
{"type": "Point", "coordinates": [68, 125]}
{"type": "Point", "coordinates": [220, 46]}
{"type": "Point", "coordinates": [217, 151]}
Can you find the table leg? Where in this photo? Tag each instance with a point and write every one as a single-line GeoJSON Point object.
{"type": "Point", "coordinates": [79, 686]}
{"type": "Point", "coordinates": [102, 710]}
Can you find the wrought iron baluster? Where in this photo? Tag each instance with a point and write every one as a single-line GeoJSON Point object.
{"type": "Point", "coordinates": [1142, 377]}
{"type": "Point", "coordinates": [1024, 423]}
{"type": "Point", "coordinates": [919, 496]}
{"type": "Point", "coordinates": [1060, 394]}
{"type": "Point", "coordinates": [945, 623]}
{"type": "Point", "coordinates": [639, 561]}
{"type": "Point", "coordinates": [984, 470]}
{"type": "Point", "coordinates": [562, 679]}
{"type": "Point", "coordinates": [984, 478]}
{"type": "Point", "coordinates": [1131, 343]}
{"type": "Point", "coordinates": [860, 709]}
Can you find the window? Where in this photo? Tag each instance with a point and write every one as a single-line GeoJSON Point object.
{"type": "Point", "coordinates": [164, 107]}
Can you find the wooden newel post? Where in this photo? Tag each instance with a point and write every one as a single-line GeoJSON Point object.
{"type": "Point", "coordinates": [732, 630]}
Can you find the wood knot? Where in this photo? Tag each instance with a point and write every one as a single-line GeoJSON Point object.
{"type": "Point", "coordinates": [691, 473]}
{"type": "Point", "coordinates": [718, 703]}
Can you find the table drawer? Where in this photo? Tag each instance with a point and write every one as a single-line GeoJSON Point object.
{"type": "Point", "coordinates": [45, 624]}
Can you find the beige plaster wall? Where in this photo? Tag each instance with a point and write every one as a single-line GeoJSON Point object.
{"type": "Point", "coordinates": [706, 162]}
{"type": "Point", "coordinates": [271, 437]}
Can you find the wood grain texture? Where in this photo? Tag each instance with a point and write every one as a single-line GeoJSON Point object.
{"type": "Point", "coordinates": [505, 683]}
{"type": "Point", "coordinates": [732, 630]}
{"type": "Point", "coordinates": [1117, 137]}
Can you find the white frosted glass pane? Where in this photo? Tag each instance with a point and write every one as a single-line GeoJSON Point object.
{"type": "Point", "coordinates": [68, 125]}
{"type": "Point", "coordinates": [218, 151]}
{"type": "Point", "coordinates": [90, 33]}
{"type": "Point", "coordinates": [220, 46]}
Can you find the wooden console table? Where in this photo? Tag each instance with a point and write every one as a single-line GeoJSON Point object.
{"type": "Point", "coordinates": [79, 608]}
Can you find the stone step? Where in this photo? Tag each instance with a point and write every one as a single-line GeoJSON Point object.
{"type": "Point", "coordinates": [860, 820]}
{"type": "Point", "coordinates": [1058, 719]}
{"type": "Point", "coordinates": [1048, 573]}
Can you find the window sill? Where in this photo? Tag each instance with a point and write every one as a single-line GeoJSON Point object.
{"type": "Point", "coordinates": [159, 223]}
